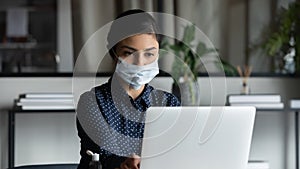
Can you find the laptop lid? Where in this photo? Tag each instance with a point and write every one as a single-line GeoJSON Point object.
{"type": "Point", "coordinates": [197, 137]}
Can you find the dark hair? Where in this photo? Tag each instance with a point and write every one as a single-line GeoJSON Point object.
{"type": "Point", "coordinates": [129, 23]}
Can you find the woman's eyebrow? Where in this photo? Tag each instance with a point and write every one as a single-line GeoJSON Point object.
{"type": "Point", "coordinates": [128, 47]}
{"type": "Point", "coordinates": [131, 48]}
{"type": "Point", "coordinates": [148, 49]}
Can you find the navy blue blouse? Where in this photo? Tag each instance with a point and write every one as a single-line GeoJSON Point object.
{"type": "Point", "coordinates": [122, 114]}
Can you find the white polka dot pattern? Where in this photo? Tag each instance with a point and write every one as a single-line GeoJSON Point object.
{"type": "Point", "coordinates": [114, 121]}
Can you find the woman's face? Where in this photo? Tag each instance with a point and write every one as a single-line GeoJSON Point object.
{"type": "Point", "coordinates": [139, 49]}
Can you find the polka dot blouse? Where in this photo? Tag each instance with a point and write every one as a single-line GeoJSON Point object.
{"type": "Point", "coordinates": [110, 122]}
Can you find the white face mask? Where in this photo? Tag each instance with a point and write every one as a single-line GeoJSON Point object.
{"type": "Point", "coordinates": [135, 75]}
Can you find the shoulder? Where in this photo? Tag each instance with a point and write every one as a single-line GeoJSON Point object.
{"type": "Point", "coordinates": [103, 88]}
{"type": "Point", "coordinates": [172, 100]}
{"type": "Point", "coordinates": [95, 93]}
{"type": "Point", "coordinates": [86, 99]}
{"type": "Point", "coordinates": [169, 98]}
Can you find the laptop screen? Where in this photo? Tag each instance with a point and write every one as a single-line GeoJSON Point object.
{"type": "Point", "coordinates": [197, 137]}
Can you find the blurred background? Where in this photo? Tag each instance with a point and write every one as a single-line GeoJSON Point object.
{"type": "Point", "coordinates": [46, 36]}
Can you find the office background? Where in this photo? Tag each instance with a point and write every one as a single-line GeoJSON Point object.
{"type": "Point", "coordinates": [52, 138]}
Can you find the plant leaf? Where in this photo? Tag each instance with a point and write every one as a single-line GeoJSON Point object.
{"type": "Point", "coordinates": [189, 34]}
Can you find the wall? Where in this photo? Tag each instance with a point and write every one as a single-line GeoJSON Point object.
{"type": "Point", "coordinates": [64, 36]}
{"type": "Point", "coordinates": [223, 22]}
{"type": "Point", "coordinates": [88, 18]}
{"type": "Point", "coordinates": [52, 138]}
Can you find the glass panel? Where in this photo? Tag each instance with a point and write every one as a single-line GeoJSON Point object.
{"type": "Point", "coordinates": [28, 34]}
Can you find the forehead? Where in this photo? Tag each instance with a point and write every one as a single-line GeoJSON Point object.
{"type": "Point", "coordinates": [140, 41]}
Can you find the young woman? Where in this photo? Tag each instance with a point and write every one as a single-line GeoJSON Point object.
{"type": "Point", "coordinates": [110, 117]}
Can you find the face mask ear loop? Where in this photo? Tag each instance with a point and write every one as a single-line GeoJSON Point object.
{"type": "Point", "coordinates": [115, 53]}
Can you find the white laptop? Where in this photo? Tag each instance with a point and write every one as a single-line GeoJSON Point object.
{"type": "Point", "coordinates": [197, 137]}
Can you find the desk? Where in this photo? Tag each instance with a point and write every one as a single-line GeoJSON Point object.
{"type": "Point", "coordinates": [268, 135]}
{"type": "Point", "coordinates": [297, 137]}
{"type": "Point", "coordinates": [11, 129]}
{"type": "Point", "coordinates": [296, 109]}
{"type": "Point", "coordinates": [296, 132]}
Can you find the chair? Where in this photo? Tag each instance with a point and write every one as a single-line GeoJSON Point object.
{"type": "Point", "coordinates": [48, 166]}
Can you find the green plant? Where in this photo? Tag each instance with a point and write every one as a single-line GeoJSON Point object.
{"type": "Point", "coordinates": [188, 61]}
{"type": "Point", "coordinates": [228, 69]}
{"type": "Point", "coordinates": [287, 26]}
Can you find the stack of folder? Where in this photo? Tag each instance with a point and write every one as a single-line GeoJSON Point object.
{"type": "Point", "coordinates": [258, 165]}
{"type": "Point", "coordinates": [45, 101]}
{"type": "Point", "coordinates": [260, 101]}
{"type": "Point", "coordinates": [295, 103]}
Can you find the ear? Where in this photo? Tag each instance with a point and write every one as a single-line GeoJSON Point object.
{"type": "Point", "coordinates": [113, 55]}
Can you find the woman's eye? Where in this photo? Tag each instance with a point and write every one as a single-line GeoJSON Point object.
{"type": "Point", "coordinates": [149, 54]}
{"type": "Point", "coordinates": [127, 53]}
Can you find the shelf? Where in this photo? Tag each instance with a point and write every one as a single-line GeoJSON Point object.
{"type": "Point", "coordinates": [18, 45]}
{"type": "Point", "coordinates": [11, 129]}
{"type": "Point", "coordinates": [25, 45]}
{"type": "Point", "coordinates": [43, 8]}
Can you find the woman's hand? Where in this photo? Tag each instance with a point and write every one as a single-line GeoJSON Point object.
{"type": "Point", "coordinates": [131, 163]}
